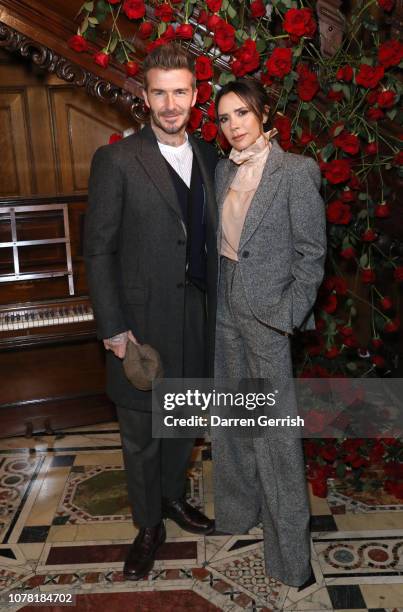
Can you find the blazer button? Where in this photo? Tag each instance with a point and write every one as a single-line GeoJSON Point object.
{"type": "Point", "coordinates": [180, 285]}
{"type": "Point", "coordinates": [181, 242]}
{"type": "Point", "coordinates": [245, 254]}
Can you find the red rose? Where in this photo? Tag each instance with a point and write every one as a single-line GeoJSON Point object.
{"type": "Point", "coordinates": [398, 159]}
{"type": "Point", "coordinates": [213, 22]}
{"type": "Point", "coordinates": [372, 96]}
{"type": "Point", "coordinates": [223, 142]}
{"type": "Point", "coordinates": [280, 62]}
{"type": "Point", "coordinates": [299, 22]}
{"type": "Point", "coordinates": [349, 143]}
{"type": "Point", "coordinates": [283, 125]}
{"type": "Point", "coordinates": [348, 196]}
{"type": "Point", "coordinates": [348, 253]}
{"type": "Point", "coordinates": [337, 171]}
{"type": "Point", "coordinates": [308, 85]}
{"type": "Point", "coordinates": [398, 274]}
{"type": "Point", "coordinates": [202, 18]}
{"type": "Point", "coordinates": [336, 283]}
{"type": "Point", "coordinates": [386, 99]}
{"type": "Point", "coordinates": [346, 331]}
{"type": "Point", "coordinates": [306, 138]}
{"type": "Point", "coordinates": [335, 96]}
{"type": "Point", "coordinates": [345, 73]}
{"type": "Point", "coordinates": [195, 119]}
{"type": "Point", "coordinates": [386, 5]}
{"type": "Point", "coordinates": [367, 275]}
{"type": "Point", "coordinates": [390, 53]}
{"type": "Point", "coordinates": [355, 182]}
{"type": "Point", "coordinates": [169, 34]}
{"type": "Point", "coordinates": [394, 487]}
{"type": "Point", "coordinates": [134, 9]}
{"type": "Point", "coordinates": [369, 76]}
{"type": "Point", "coordinates": [266, 79]}
{"type": "Point", "coordinates": [350, 341]}
{"type": "Point", "coordinates": [145, 30]}
{"type": "Point", "coordinates": [102, 59]}
{"type": "Point", "coordinates": [115, 137]}
{"type": "Point", "coordinates": [373, 114]}
{"type": "Point", "coordinates": [377, 343]}
{"type": "Point", "coordinates": [386, 303]}
{"type": "Point", "coordinates": [209, 131]}
{"type": "Point", "coordinates": [319, 487]}
{"type": "Point", "coordinates": [338, 213]}
{"type": "Point", "coordinates": [132, 68]}
{"type": "Point", "coordinates": [371, 148]}
{"type": "Point", "coordinates": [164, 12]}
{"type": "Point", "coordinates": [214, 5]}
{"type": "Point", "coordinates": [332, 353]}
{"type": "Point", "coordinates": [211, 111]}
{"type": "Point", "coordinates": [392, 326]}
{"type": "Point", "coordinates": [331, 304]}
{"type": "Point", "coordinates": [247, 59]}
{"type": "Point", "coordinates": [78, 43]}
{"type": "Point", "coordinates": [369, 235]}
{"type": "Point", "coordinates": [203, 68]}
{"type": "Point", "coordinates": [382, 210]}
{"type": "Point", "coordinates": [328, 452]}
{"type": "Point", "coordinates": [224, 36]}
{"type": "Point", "coordinates": [204, 90]}
{"type": "Point", "coordinates": [184, 31]}
{"type": "Point", "coordinates": [114, 1]}
{"type": "Point", "coordinates": [257, 9]}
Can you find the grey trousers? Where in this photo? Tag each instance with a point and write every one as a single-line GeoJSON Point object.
{"type": "Point", "coordinates": [259, 478]}
{"type": "Point", "coordinates": [155, 467]}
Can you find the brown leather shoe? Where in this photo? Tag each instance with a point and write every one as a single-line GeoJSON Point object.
{"type": "Point", "coordinates": [186, 516]}
{"type": "Point", "coordinates": [141, 557]}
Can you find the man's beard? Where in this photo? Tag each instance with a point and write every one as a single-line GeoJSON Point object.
{"type": "Point", "coordinates": [175, 128]}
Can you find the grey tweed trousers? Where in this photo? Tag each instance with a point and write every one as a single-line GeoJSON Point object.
{"type": "Point", "coordinates": [259, 478]}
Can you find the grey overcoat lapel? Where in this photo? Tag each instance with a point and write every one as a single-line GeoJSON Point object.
{"type": "Point", "coordinates": [154, 164]}
{"type": "Point", "coordinates": [264, 195]}
{"type": "Point", "coordinates": [208, 182]}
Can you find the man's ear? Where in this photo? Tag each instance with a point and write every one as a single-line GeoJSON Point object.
{"type": "Point", "coordinates": [194, 98]}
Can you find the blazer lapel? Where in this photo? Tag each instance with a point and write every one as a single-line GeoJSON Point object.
{"type": "Point", "coordinates": [265, 192]}
{"type": "Point", "coordinates": [229, 174]}
{"type": "Point", "coordinates": [154, 164]}
{"type": "Point", "coordinates": [208, 182]}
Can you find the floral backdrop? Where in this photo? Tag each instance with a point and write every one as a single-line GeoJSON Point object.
{"type": "Point", "coordinates": [342, 109]}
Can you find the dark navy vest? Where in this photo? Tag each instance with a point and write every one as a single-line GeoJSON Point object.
{"type": "Point", "coordinates": [192, 205]}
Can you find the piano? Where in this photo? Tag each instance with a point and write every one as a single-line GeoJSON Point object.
{"type": "Point", "coordinates": [51, 363]}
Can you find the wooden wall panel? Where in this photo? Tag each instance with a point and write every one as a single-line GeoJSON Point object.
{"type": "Point", "coordinates": [49, 131]}
{"type": "Point", "coordinates": [79, 129]}
{"type": "Point", "coordinates": [15, 168]}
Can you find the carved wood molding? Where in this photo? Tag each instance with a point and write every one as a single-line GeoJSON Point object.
{"type": "Point", "coordinates": [72, 73]}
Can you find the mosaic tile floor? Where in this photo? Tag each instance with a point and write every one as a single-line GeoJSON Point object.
{"type": "Point", "coordinates": [65, 528]}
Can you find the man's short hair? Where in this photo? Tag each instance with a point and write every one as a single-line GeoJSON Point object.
{"type": "Point", "coordinates": [168, 57]}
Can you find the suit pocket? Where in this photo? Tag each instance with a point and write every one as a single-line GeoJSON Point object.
{"type": "Point", "coordinates": [135, 295]}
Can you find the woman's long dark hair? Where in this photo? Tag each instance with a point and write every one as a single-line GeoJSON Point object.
{"type": "Point", "coordinates": [251, 92]}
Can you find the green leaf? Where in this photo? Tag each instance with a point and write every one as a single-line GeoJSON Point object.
{"type": "Point", "coordinates": [114, 42]}
{"type": "Point", "coordinates": [89, 6]}
{"type": "Point", "coordinates": [161, 28]}
{"type": "Point", "coordinates": [120, 55]}
{"type": "Point", "coordinates": [288, 82]}
{"type": "Point", "coordinates": [341, 468]}
{"type": "Point", "coordinates": [327, 151]}
{"type": "Point", "coordinates": [364, 260]}
{"type": "Point", "coordinates": [260, 45]}
{"type": "Point", "coordinates": [129, 46]}
{"type": "Point", "coordinates": [84, 25]}
{"type": "Point", "coordinates": [338, 130]}
{"type": "Point", "coordinates": [312, 114]}
{"type": "Point", "coordinates": [392, 113]}
{"type": "Point", "coordinates": [362, 196]}
{"type": "Point", "coordinates": [363, 214]}
{"type": "Point", "coordinates": [241, 35]}
{"type": "Point", "coordinates": [337, 87]}
{"type": "Point", "coordinates": [366, 60]}
{"type": "Point", "coordinates": [231, 11]}
{"type": "Point", "coordinates": [207, 43]}
{"type": "Point", "coordinates": [346, 90]}
{"type": "Point", "coordinates": [225, 5]}
{"type": "Point", "coordinates": [91, 34]}
{"type": "Point", "coordinates": [353, 311]}
{"type": "Point", "coordinates": [93, 20]}
{"type": "Point", "coordinates": [226, 77]}
{"type": "Point", "coordinates": [298, 131]}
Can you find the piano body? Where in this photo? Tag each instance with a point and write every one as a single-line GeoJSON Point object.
{"type": "Point", "coordinates": [51, 364]}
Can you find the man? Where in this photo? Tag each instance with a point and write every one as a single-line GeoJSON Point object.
{"type": "Point", "coordinates": [150, 254]}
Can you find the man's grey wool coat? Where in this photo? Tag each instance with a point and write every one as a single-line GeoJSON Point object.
{"type": "Point", "coordinates": [135, 253]}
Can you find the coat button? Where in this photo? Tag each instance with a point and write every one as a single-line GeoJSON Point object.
{"type": "Point", "coordinates": [180, 285]}
{"type": "Point", "coordinates": [245, 254]}
{"type": "Point", "coordinates": [181, 242]}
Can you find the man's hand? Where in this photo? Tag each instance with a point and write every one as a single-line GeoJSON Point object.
{"type": "Point", "coordinates": [117, 344]}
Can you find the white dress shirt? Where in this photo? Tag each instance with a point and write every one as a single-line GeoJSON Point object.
{"type": "Point", "coordinates": [180, 158]}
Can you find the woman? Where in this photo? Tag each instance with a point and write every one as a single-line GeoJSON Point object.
{"type": "Point", "coordinates": [272, 244]}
